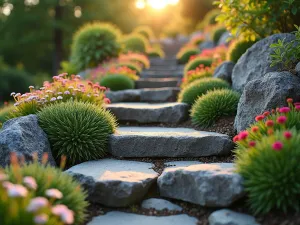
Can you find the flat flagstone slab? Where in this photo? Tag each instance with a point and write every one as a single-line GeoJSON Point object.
{"type": "Point", "coordinates": [156, 82]}
{"type": "Point", "coordinates": [144, 95]}
{"type": "Point", "coordinates": [150, 113]}
{"type": "Point", "coordinates": [229, 217]}
{"type": "Point", "coordinates": [175, 164]}
{"type": "Point", "coordinates": [211, 185]}
{"type": "Point", "coordinates": [167, 142]}
{"type": "Point", "coordinates": [162, 74]}
{"type": "Point", "coordinates": [115, 183]}
{"type": "Point", "coordinates": [121, 218]}
{"type": "Point", "coordinates": [160, 204]}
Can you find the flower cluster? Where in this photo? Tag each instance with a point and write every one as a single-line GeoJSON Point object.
{"type": "Point", "coordinates": [135, 57]}
{"type": "Point", "coordinates": [61, 89]}
{"type": "Point", "coordinates": [198, 73]}
{"type": "Point", "coordinates": [29, 208]}
{"type": "Point", "coordinates": [104, 70]}
{"type": "Point", "coordinates": [218, 54]}
{"type": "Point", "coordinates": [197, 39]}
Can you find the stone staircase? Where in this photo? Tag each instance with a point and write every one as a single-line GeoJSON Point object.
{"type": "Point", "coordinates": [128, 178]}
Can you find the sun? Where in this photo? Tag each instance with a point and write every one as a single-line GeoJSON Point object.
{"type": "Point", "coordinates": [158, 4]}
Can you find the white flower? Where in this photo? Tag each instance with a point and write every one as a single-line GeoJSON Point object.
{"type": "Point", "coordinates": [67, 93]}
{"type": "Point", "coordinates": [42, 88]}
{"type": "Point", "coordinates": [65, 214]}
{"type": "Point", "coordinates": [71, 87]}
{"type": "Point", "coordinates": [59, 98]}
{"type": "Point", "coordinates": [37, 203]}
{"type": "Point", "coordinates": [54, 193]}
{"type": "Point", "coordinates": [78, 76]}
{"type": "Point", "coordinates": [49, 91]}
{"type": "Point", "coordinates": [17, 95]}
{"type": "Point", "coordinates": [16, 104]}
{"type": "Point", "coordinates": [17, 190]}
{"type": "Point", "coordinates": [30, 182]}
{"type": "Point", "coordinates": [59, 93]}
{"type": "Point", "coordinates": [31, 87]}
{"type": "Point", "coordinates": [41, 219]}
{"type": "Point", "coordinates": [13, 93]}
{"type": "Point", "coordinates": [53, 99]}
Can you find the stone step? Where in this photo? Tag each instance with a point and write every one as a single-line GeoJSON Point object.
{"type": "Point", "coordinates": [162, 74]}
{"type": "Point", "coordinates": [150, 113]}
{"type": "Point", "coordinates": [115, 183]}
{"type": "Point", "coordinates": [140, 142]}
{"type": "Point", "coordinates": [226, 216]}
{"type": "Point", "coordinates": [144, 95]}
{"type": "Point", "coordinates": [156, 83]}
{"type": "Point", "coordinates": [163, 62]}
{"type": "Point", "coordinates": [210, 185]}
{"type": "Point", "coordinates": [122, 218]}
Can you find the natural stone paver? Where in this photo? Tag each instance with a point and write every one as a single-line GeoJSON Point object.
{"type": "Point", "coordinates": [24, 137]}
{"type": "Point", "coordinates": [150, 113]}
{"type": "Point", "coordinates": [115, 183]}
{"type": "Point", "coordinates": [156, 82]}
{"type": "Point", "coordinates": [117, 218]}
{"type": "Point", "coordinates": [264, 94]}
{"type": "Point", "coordinates": [256, 61]}
{"type": "Point", "coordinates": [176, 164]}
{"type": "Point", "coordinates": [167, 142]}
{"type": "Point", "coordinates": [161, 75]}
{"type": "Point", "coordinates": [160, 204]}
{"type": "Point", "coordinates": [144, 95]}
{"type": "Point", "coordinates": [229, 217]}
{"type": "Point", "coordinates": [298, 69]}
{"type": "Point", "coordinates": [212, 185]}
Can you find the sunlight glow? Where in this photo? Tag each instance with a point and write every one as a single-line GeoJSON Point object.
{"type": "Point", "coordinates": [140, 4]}
{"type": "Point", "coordinates": [155, 4]}
{"type": "Point", "coordinates": [173, 2]}
{"type": "Point", "coordinates": [158, 4]}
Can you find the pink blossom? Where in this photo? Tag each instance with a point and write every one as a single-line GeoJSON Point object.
{"type": "Point", "coordinates": [37, 203]}
{"type": "Point", "coordinates": [66, 215]}
{"type": "Point", "coordinates": [17, 190]}
{"type": "Point", "coordinates": [297, 107]}
{"type": "Point", "coordinates": [54, 193]}
{"type": "Point", "coordinates": [243, 135]}
{"type": "Point", "coordinates": [67, 93]}
{"type": "Point", "coordinates": [53, 99]}
{"type": "Point", "coordinates": [259, 118]}
{"type": "Point", "coordinates": [288, 134]}
{"type": "Point", "coordinates": [281, 119]}
{"type": "Point", "coordinates": [30, 182]}
{"type": "Point", "coordinates": [277, 146]}
{"type": "Point", "coordinates": [284, 109]}
{"type": "Point", "coordinates": [41, 219]}
{"type": "Point", "coordinates": [252, 143]}
{"type": "Point", "coordinates": [270, 123]}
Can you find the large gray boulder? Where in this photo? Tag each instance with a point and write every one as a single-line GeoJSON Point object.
{"type": "Point", "coordinates": [298, 69]}
{"type": "Point", "coordinates": [24, 137]}
{"type": "Point", "coordinates": [264, 94]}
{"type": "Point", "coordinates": [212, 185]}
{"type": "Point", "coordinates": [224, 71]}
{"type": "Point", "coordinates": [255, 63]}
{"type": "Point", "coordinates": [115, 183]}
{"type": "Point", "coordinates": [229, 217]}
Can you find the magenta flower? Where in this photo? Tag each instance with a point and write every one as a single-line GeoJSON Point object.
{"type": "Point", "coordinates": [37, 203]}
{"type": "Point", "coordinates": [54, 193]}
{"type": "Point", "coordinates": [297, 107]}
{"type": "Point", "coordinates": [269, 123]}
{"type": "Point", "coordinates": [259, 118]}
{"type": "Point", "coordinates": [243, 135]}
{"type": "Point", "coordinates": [288, 135]}
{"type": "Point", "coordinates": [41, 219]}
{"type": "Point", "coordinates": [281, 119]}
{"type": "Point", "coordinates": [252, 143]}
{"type": "Point", "coordinates": [277, 146]}
{"type": "Point", "coordinates": [284, 110]}
{"type": "Point", "coordinates": [30, 182]}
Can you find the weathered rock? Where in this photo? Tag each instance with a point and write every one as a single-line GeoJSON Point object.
{"type": "Point", "coordinates": [206, 45]}
{"type": "Point", "coordinates": [264, 94]}
{"type": "Point", "coordinates": [24, 137]}
{"type": "Point", "coordinates": [150, 113]}
{"type": "Point", "coordinates": [156, 82]}
{"type": "Point", "coordinates": [228, 217]}
{"type": "Point", "coordinates": [115, 183]}
{"type": "Point", "coordinates": [212, 185]}
{"type": "Point", "coordinates": [176, 164]}
{"type": "Point", "coordinates": [298, 69]}
{"type": "Point", "coordinates": [160, 204]}
{"type": "Point", "coordinates": [167, 142]}
{"type": "Point", "coordinates": [224, 38]}
{"type": "Point", "coordinates": [121, 218]}
{"type": "Point", "coordinates": [144, 95]}
{"type": "Point", "coordinates": [224, 71]}
{"type": "Point", "coordinates": [255, 63]}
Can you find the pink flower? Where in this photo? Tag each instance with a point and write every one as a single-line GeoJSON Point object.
{"type": "Point", "coordinates": [53, 99]}
{"type": "Point", "coordinates": [297, 107]}
{"type": "Point", "coordinates": [270, 123]}
{"type": "Point", "coordinates": [252, 143]}
{"type": "Point", "coordinates": [284, 110]}
{"type": "Point", "coordinates": [66, 215]}
{"type": "Point", "coordinates": [107, 100]}
{"type": "Point", "coordinates": [288, 135]}
{"type": "Point", "coordinates": [236, 138]}
{"type": "Point", "coordinates": [277, 146]}
{"type": "Point", "coordinates": [37, 203]}
{"type": "Point", "coordinates": [67, 93]}
{"type": "Point", "coordinates": [243, 135]}
{"type": "Point", "coordinates": [30, 182]}
{"type": "Point", "coordinates": [259, 118]}
{"type": "Point", "coordinates": [281, 119]}
{"type": "Point", "coordinates": [41, 219]}
{"type": "Point", "coordinates": [289, 100]}
{"type": "Point", "coordinates": [54, 193]}
{"type": "Point", "coordinates": [266, 113]}
{"type": "Point", "coordinates": [17, 190]}
{"type": "Point", "coordinates": [255, 129]}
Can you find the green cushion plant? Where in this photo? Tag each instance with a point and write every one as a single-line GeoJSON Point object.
{"type": "Point", "coordinates": [184, 55]}
{"type": "Point", "coordinates": [214, 105]}
{"type": "Point", "coordinates": [217, 34]}
{"type": "Point", "coordinates": [117, 82]}
{"type": "Point", "coordinates": [135, 43]}
{"type": "Point", "coordinates": [200, 87]}
{"type": "Point", "coordinates": [93, 44]}
{"type": "Point", "coordinates": [197, 62]}
{"type": "Point", "coordinates": [237, 49]}
{"type": "Point", "coordinates": [77, 130]}
{"type": "Point", "coordinates": [145, 31]}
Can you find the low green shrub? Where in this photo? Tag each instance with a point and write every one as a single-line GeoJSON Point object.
{"type": "Point", "coordinates": [117, 82]}
{"type": "Point", "coordinates": [214, 105]}
{"type": "Point", "coordinates": [131, 65]}
{"type": "Point", "coordinates": [217, 34]}
{"type": "Point", "coordinates": [184, 55]}
{"type": "Point", "coordinates": [4, 113]}
{"type": "Point", "coordinates": [156, 52]}
{"type": "Point", "coordinates": [145, 31]}
{"type": "Point", "coordinates": [200, 87]}
{"type": "Point", "coordinates": [270, 168]}
{"type": "Point", "coordinates": [31, 192]}
{"type": "Point", "coordinates": [77, 130]}
{"type": "Point", "coordinates": [197, 74]}
{"type": "Point", "coordinates": [135, 43]}
{"type": "Point", "coordinates": [13, 80]}
{"type": "Point", "coordinates": [93, 44]}
{"type": "Point", "coordinates": [197, 62]}
{"type": "Point", "coordinates": [237, 49]}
